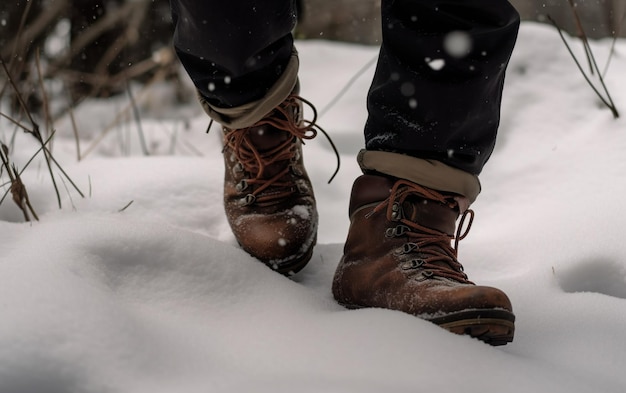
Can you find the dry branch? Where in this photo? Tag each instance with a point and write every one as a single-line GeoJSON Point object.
{"type": "Point", "coordinates": [608, 101]}
{"type": "Point", "coordinates": [17, 189]}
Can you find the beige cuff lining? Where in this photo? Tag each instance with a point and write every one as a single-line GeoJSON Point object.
{"type": "Point", "coordinates": [249, 114]}
{"type": "Point", "coordinates": [428, 173]}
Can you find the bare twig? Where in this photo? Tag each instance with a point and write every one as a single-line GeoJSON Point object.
{"type": "Point", "coordinates": [347, 86]}
{"type": "Point", "coordinates": [15, 122]}
{"type": "Point", "coordinates": [44, 95]}
{"type": "Point", "coordinates": [124, 112]}
{"type": "Point", "coordinates": [69, 194]}
{"type": "Point", "coordinates": [608, 101]}
{"type": "Point", "coordinates": [582, 35]}
{"type": "Point", "coordinates": [126, 207]}
{"type": "Point", "coordinates": [48, 157]}
{"type": "Point", "coordinates": [20, 28]}
{"type": "Point", "coordinates": [17, 189]}
{"type": "Point", "coordinates": [18, 96]}
{"type": "Point", "coordinates": [75, 131]}
{"type": "Point", "coordinates": [137, 116]}
{"type": "Point", "coordinates": [616, 34]}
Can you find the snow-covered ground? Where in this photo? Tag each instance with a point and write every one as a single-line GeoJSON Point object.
{"type": "Point", "coordinates": [109, 296]}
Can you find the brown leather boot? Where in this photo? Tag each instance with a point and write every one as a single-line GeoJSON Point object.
{"type": "Point", "coordinates": [268, 196]}
{"type": "Point", "coordinates": [398, 256]}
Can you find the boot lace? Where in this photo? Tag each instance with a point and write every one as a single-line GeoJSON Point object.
{"type": "Point", "coordinates": [286, 117]}
{"type": "Point", "coordinates": [427, 250]}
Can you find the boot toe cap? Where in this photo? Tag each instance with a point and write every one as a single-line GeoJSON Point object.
{"type": "Point", "coordinates": [282, 241]}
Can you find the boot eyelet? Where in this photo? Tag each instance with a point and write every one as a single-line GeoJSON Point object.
{"type": "Point", "coordinates": [423, 276]}
{"type": "Point", "coordinates": [396, 212]}
{"type": "Point", "coordinates": [397, 231]}
{"type": "Point", "coordinates": [238, 168]}
{"type": "Point", "coordinates": [242, 185]}
{"type": "Point", "coordinates": [414, 264]}
{"type": "Point", "coordinates": [247, 200]}
{"type": "Point", "coordinates": [410, 247]}
{"type": "Point", "coordinates": [406, 248]}
{"type": "Point", "coordinates": [402, 229]}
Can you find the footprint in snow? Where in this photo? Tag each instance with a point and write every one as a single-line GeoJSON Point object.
{"type": "Point", "coordinates": [599, 275]}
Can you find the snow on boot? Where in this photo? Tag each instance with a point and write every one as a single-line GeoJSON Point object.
{"type": "Point", "coordinates": [268, 196]}
{"type": "Point", "coordinates": [398, 256]}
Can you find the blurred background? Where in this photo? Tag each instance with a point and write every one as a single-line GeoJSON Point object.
{"type": "Point", "coordinates": [358, 20]}
{"type": "Point", "coordinates": [95, 47]}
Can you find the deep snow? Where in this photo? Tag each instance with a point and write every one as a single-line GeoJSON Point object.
{"type": "Point", "coordinates": [156, 297]}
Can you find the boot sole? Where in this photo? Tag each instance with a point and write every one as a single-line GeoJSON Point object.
{"type": "Point", "coordinates": [494, 327]}
{"type": "Point", "coordinates": [296, 265]}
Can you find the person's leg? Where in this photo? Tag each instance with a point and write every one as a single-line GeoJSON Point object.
{"type": "Point", "coordinates": [438, 85]}
{"type": "Point", "coordinates": [241, 58]}
{"type": "Point", "coordinates": [433, 114]}
{"type": "Point", "coordinates": [234, 51]}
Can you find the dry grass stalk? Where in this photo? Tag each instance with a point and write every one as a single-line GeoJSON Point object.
{"type": "Point", "coordinates": [606, 98]}
{"type": "Point", "coordinates": [160, 75]}
{"type": "Point", "coordinates": [17, 189]}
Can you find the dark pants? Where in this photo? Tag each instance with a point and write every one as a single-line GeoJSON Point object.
{"type": "Point", "coordinates": [426, 100]}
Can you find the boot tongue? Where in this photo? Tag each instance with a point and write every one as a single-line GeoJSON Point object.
{"type": "Point", "coordinates": [430, 214]}
{"type": "Point", "coordinates": [265, 138]}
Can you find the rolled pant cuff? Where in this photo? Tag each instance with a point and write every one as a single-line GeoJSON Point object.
{"type": "Point", "coordinates": [249, 114]}
{"type": "Point", "coordinates": [428, 173]}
